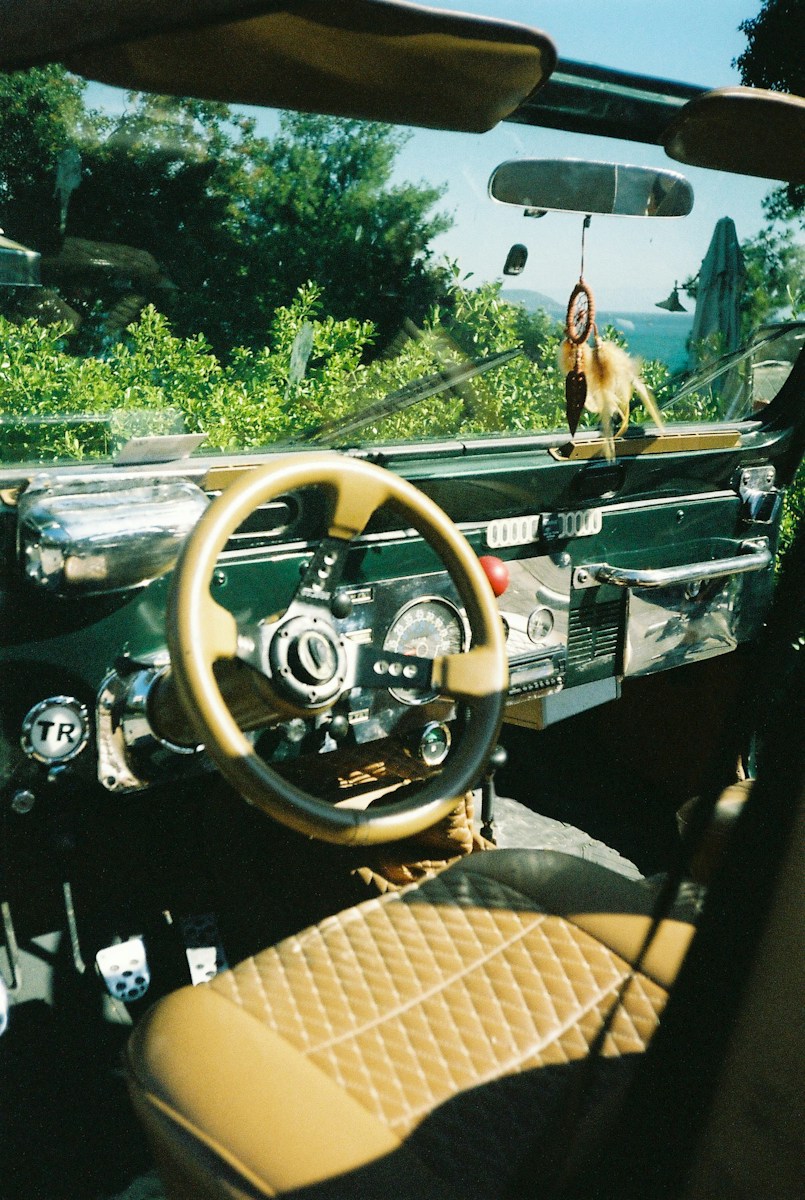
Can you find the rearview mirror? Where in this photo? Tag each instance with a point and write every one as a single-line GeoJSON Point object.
{"type": "Point", "coordinates": [575, 185]}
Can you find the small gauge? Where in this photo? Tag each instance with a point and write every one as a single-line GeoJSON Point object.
{"type": "Point", "coordinates": [434, 743]}
{"type": "Point", "coordinates": [425, 628]}
{"type": "Point", "coordinates": [540, 624]}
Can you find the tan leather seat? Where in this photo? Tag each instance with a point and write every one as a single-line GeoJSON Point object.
{"type": "Point", "coordinates": [362, 1048]}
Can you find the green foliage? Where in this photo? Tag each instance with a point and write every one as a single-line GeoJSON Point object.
{"type": "Point", "coordinates": [775, 275]}
{"type": "Point", "coordinates": [41, 115]}
{"type": "Point", "coordinates": [57, 404]}
{"type": "Point", "coordinates": [773, 56]}
{"type": "Point", "coordinates": [794, 512]}
{"type": "Point", "coordinates": [320, 204]}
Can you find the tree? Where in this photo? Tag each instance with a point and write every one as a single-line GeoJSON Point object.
{"type": "Point", "coordinates": [773, 56]}
{"type": "Point", "coordinates": [775, 269]}
{"type": "Point", "coordinates": [41, 114]}
{"type": "Point", "coordinates": [773, 59]}
{"type": "Point", "coordinates": [235, 222]}
{"type": "Point", "coordinates": [318, 203]}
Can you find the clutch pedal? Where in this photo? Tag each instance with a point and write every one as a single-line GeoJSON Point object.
{"type": "Point", "coordinates": [124, 969]}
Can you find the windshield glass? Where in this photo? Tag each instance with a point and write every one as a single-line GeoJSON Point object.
{"type": "Point", "coordinates": [259, 278]}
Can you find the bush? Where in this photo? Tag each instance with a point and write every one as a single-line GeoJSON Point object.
{"type": "Point", "coordinates": [313, 371]}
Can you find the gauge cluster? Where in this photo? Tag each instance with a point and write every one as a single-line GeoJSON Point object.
{"type": "Point", "coordinates": [421, 616]}
{"type": "Point", "coordinates": [417, 616]}
{"type": "Point", "coordinates": [424, 628]}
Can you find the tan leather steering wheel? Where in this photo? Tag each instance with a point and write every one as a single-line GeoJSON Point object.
{"type": "Point", "coordinates": [309, 666]}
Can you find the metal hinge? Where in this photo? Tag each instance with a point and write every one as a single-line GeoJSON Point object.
{"type": "Point", "coordinates": [761, 499]}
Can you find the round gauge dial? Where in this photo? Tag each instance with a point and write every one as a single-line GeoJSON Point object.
{"type": "Point", "coordinates": [423, 629]}
{"type": "Point", "coordinates": [540, 624]}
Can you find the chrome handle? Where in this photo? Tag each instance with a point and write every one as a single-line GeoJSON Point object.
{"type": "Point", "coordinates": [754, 556]}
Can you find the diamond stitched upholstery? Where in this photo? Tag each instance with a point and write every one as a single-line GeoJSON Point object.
{"type": "Point", "coordinates": [419, 995]}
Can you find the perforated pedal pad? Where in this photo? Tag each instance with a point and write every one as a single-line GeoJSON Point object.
{"type": "Point", "coordinates": [202, 943]}
{"type": "Point", "coordinates": [124, 969]}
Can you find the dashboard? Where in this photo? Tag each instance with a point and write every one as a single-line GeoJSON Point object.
{"type": "Point", "coordinates": [86, 669]}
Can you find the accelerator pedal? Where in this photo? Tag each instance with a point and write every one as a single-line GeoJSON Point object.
{"type": "Point", "coordinates": [203, 947]}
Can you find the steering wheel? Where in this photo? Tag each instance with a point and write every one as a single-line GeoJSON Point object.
{"type": "Point", "coordinates": [307, 665]}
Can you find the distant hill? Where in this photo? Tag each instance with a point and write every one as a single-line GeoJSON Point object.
{"type": "Point", "coordinates": [533, 300]}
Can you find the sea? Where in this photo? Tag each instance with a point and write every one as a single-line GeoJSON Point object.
{"type": "Point", "coordinates": [650, 335]}
{"type": "Point", "coordinates": [661, 335]}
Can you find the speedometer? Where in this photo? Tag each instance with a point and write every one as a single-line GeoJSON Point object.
{"type": "Point", "coordinates": [425, 628]}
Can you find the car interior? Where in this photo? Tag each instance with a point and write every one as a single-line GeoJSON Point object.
{"type": "Point", "coordinates": [401, 685]}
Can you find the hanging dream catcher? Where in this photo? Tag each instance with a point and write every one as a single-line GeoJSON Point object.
{"type": "Point", "coordinates": [601, 377]}
{"type": "Point", "coordinates": [579, 324]}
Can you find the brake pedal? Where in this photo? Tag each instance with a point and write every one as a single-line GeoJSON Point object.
{"type": "Point", "coordinates": [3, 1007]}
{"type": "Point", "coordinates": [124, 969]}
{"type": "Point", "coordinates": [203, 947]}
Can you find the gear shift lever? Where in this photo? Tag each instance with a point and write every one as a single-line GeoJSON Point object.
{"type": "Point", "coordinates": [498, 758]}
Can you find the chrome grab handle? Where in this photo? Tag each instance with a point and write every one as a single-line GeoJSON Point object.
{"type": "Point", "coordinates": [754, 556]}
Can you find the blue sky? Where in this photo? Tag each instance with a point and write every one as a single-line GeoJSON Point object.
{"type": "Point", "coordinates": [691, 40]}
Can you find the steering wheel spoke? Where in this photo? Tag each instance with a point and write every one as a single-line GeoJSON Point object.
{"type": "Point", "coordinates": [253, 642]}
{"type": "Point", "coordinates": [471, 676]}
{"type": "Point", "coordinates": [382, 668]}
{"type": "Point", "coordinates": [322, 575]}
{"type": "Point", "coordinates": [220, 630]}
{"type": "Point", "coordinates": [355, 502]}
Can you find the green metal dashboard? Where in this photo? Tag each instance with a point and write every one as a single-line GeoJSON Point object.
{"type": "Point", "coordinates": [614, 569]}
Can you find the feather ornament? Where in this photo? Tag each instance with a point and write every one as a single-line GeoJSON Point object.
{"type": "Point", "coordinates": [613, 377]}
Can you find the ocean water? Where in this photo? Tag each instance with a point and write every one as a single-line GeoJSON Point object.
{"type": "Point", "coordinates": [659, 335]}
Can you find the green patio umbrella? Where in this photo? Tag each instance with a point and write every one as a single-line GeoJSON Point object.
{"type": "Point", "coordinates": [718, 298]}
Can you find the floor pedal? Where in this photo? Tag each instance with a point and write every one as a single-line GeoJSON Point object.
{"type": "Point", "coordinates": [124, 969]}
{"type": "Point", "coordinates": [203, 947]}
{"type": "Point", "coordinates": [3, 1007]}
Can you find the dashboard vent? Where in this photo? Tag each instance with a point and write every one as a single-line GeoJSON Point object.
{"type": "Point", "coordinates": [265, 525]}
{"type": "Point", "coordinates": [594, 637]}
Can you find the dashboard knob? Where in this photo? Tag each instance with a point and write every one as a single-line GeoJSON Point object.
{"type": "Point", "coordinates": [56, 730]}
{"type": "Point", "coordinates": [341, 606]}
{"type": "Point", "coordinates": [496, 572]}
{"type": "Point", "coordinates": [338, 727]}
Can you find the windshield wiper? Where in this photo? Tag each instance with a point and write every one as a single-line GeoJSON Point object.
{"type": "Point", "coordinates": [705, 375]}
{"type": "Point", "coordinates": [411, 393]}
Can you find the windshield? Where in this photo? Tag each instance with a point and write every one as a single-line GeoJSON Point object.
{"type": "Point", "coordinates": [247, 278]}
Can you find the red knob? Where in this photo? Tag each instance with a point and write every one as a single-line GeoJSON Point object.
{"type": "Point", "coordinates": [496, 572]}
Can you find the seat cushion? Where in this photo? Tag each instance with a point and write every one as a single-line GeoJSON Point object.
{"type": "Point", "coordinates": [396, 1007]}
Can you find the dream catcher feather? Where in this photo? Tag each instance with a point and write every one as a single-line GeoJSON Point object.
{"type": "Point", "coordinates": [600, 377]}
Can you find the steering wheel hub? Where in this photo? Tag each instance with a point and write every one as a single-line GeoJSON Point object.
{"type": "Point", "coordinates": [308, 661]}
